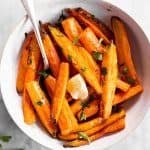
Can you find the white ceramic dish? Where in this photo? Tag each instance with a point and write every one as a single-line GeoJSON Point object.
{"type": "Point", "coordinates": [47, 11]}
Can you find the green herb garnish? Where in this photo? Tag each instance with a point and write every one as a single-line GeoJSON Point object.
{"type": "Point", "coordinates": [82, 116]}
{"type": "Point", "coordinates": [97, 56]}
{"type": "Point", "coordinates": [82, 135]}
{"type": "Point", "coordinates": [85, 104]}
{"type": "Point", "coordinates": [104, 71]}
{"type": "Point", "coordinates": [40, 103]}
{"type": "Point", "coordinates": [5, 138]}
{"type": "Point", "coordinates": [125, 70]}
{"type": "Point", "coordinates": [69, 58]}
{"type": "Point", "coordinates": [43, 73]}
{"type": "Point", "coordinates": [75, 40]}
{"type": "Point", "coordinates": [131, 81]}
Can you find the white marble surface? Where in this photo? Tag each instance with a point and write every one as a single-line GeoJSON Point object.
{"type": "Point", "coordinates": [11, 12]}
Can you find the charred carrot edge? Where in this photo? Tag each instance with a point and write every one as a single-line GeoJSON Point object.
{"type": "Point", "coordinates": [71, 51]}
{"type": "Point", "coordinates": [116, 126]}
{"type": "Point", "coordinates": [88, 125]}
{"type": "Point", "coordinates": [67, 121]}
{"type": "Point", "coordinates": [113, 118]}
{"type": "Point", "coordinates": [122, 97]}
{"type": "Point", "coordinates": [41, 105]}
{"type": "Point", "coordinates": [60, 91]}
{"type": "Point", "coordinates": [122, 85]}
{"type": "Point", "coordinates": [90, 41]}
{"type": "Point", "coordinates": [51, 53]}
{"type": "Point", "coordinates": [71, 28]}
{"type": "Point", "coordinates": [123, 46]}
{"type": "Point", "coordinates": [89, 111]}
{"type": "Point", "coordinates": [85, 18]}
{"type": "Point", "coordinates": [23, 63]}
{"type": "Point", "coordinates": [110, 81]}
{"type": "Point", "coordinates": [28, 110]}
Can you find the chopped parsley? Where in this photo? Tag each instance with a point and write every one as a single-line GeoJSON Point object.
{"type": "Point", "coordinates": [69, 58]}
{"type": "Point", "coordinates": [85, 104]}
{"type": "Point", "coordinates": [82, 116]}
{"type": "Point", "coordinates": [131, 81]}
{"type": "Point", "coordinates": [40, 103]}
{"type": "Point", "coordinates": [43, 73]}
{"type": "Point", "coordinates": [104, 71]}
{"type": "Point", "coordinates": [125, 70]}
{"type": "Point", "coordinates": [82, 135]}
{"type": "Point", "coordinates": [75, 40]}
{"type": "Point", "coordinates": [5, 138]}
{"type": "Point", "coordinates": [97, 56]}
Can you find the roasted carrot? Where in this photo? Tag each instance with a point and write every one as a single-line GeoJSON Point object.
{"type": "Point", "coordinates": [91, 42]}
{"type": "Point", "coordinates": [123, 47]}
{"type": "Point", "coordinates": [121, 97]}
{"type": "Point", "coordinates": [89, 111]}
{"type": "Point", "coordinates": [67, 121]}
{"type": "Point", "coordinates": [96, 25]}
{"type": "Point", "coordinates": [60, 91]}
{"type": "Point", "coordinates": [116, 126]}
{"type": "Point", "coordinates": [87, 125]}
{"type": "Point", "coordinates": [110, 72]}
{"type": "Point", "coordinates": [123, 86]}
{"type": "Point", "coordinates": [41, 105]}
{"type": "Point", "coordinates": [71, 28]}
{"type": "Point", "coordinates": [113, 118]}
{"type": "Point", "coordinates": [51, 53]}
{"type": "Point", "coordinates": [76, 106]}
{"type": "Point", "coordinates": [71, 51]}
{"type": "Point", "coordinates": [23, 63]}
{"type": "Point", "coordinates": [28, 110]}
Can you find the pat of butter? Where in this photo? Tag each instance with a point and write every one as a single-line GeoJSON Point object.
{"type": "Point", "coordinates": [77, 87]}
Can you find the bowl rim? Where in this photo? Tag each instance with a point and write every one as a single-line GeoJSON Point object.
{"type": "Point", "coordinates": [22, 21]}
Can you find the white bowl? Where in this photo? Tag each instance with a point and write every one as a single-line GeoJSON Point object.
{"type": "Point", "coordinates": [47, 11]}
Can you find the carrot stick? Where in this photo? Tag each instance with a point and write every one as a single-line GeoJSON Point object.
{"type": "Point", "coordinates": [110, 72]}
{"type": "Point", "coordinates": [76, 106]}
{"type": "Point", "coordinates": [123, 85]}
{"type": "Point", "coordinates": [121, 97]}
{"type": "Point", "coordinates": [67, 121]}
{"type": "Point", "coordinates": [51, 53]}
{"type": "Point", "coordinates": [71, 28]}
{"type": "Point", "coordinates": [60, 91]}
{"type": "Point", "coordinates": [23, 63]}
{"type": "Point", "coordinates": [123, 47]}
{"type": "Point", "coordinates": [89, 111]}
{"type": "Point", "coordinates": [90, 41]}
{"type": "Point", "coordinates": [28, 110]}
{"type": "Point", "coordinates": [41, 105]}
{"type": "Point", "coordinates": [88, 20]}
{"type": "Point", "coordinates": [71, 51]}
{"type": "Point", "coordinates": [116, 126]}
{"type": "Point", "coordinates": [113, 118]}
{"type": "Point", "coordinates": [88, 125]}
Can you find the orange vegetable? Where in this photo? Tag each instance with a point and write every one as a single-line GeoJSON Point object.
{"type": "Point", "coordinates": [28, 110]}
{"type": "Point", "coordinates": [60, 91]}
{"type": "Point", "coordinates": [90, 41]}
{"type": "Point", "coordinates": [89, 111]}
{"type": "Point", "coordinates": [116, 126]}
{"type": "Point", "coordinates": [88, 20]}
{"type": "Point", "coordinates": [113, 118]}
{"type": "Point", "coordinates": [41, 105]}
{"type": "Point", "coordinates": [70, 51]}
{"type": "Point", "coordinates": [71, 28]}
{"type": "Point", "coordinates": [51, 53]}
{"type": "Point", "coordinates": [76, 106]}
{"type": "Point", "coordinates": [110, 72]}
{"type": "Point", "coordinates": [123, 85]}
{"type": "Point", "coordinates": [121, 97]}
{"type": "Point", "coordinates": [123, 46]}
{"type": "Point", "coordinates": [67, 121]}
{"type": "Point", "coordinates": [23, 63]}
